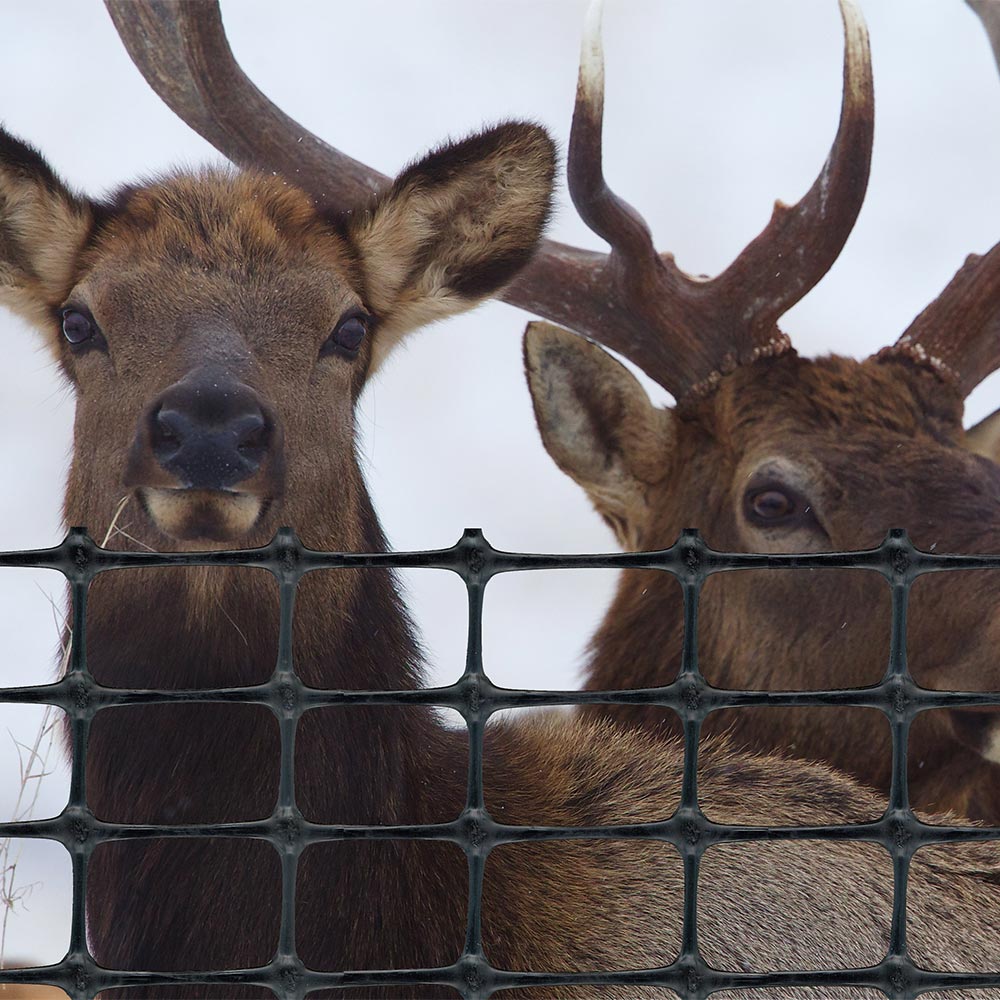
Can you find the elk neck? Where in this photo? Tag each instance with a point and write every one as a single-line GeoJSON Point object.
{"type": "Point", "coordinates": [206, 627]}
{"type": "Point", "coordinates": [638, 644]}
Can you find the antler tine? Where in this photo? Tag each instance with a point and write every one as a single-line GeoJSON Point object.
{"type": "Point", "coordinates": [988, 12]}
{"type": "Point", "coordinates": [686, 332]}
{"type": "Point", "coordinates": [604, 212]}
{"type": "Point", "coordinates": [958, 335]}
{"type": "Point", "coordinates": [632, 300]}
{"type": "Point", "coordinates": [800, 244]}
{"type": "Point", "coordinates": [180, 47]}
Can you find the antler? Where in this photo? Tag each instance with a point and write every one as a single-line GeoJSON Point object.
{"type": "Point", "coordinates": [687, 332]}
{"type": "Point", "coordinates": [958, 335]}
{"type": "Point", "coordinates": [683, 331]}
{"type": "Point", "coordinates": [180, 47]}
{"type": "Point", "coordinates": [988, 12]}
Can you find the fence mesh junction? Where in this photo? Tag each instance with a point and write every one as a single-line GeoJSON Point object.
{"type": "Point", "coordinates": [691, 561]}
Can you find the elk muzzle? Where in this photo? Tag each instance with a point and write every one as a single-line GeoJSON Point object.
{"type": "Point", "coordinates": [211, 436]}
{"type": "Point", "coordinates": [207, 457]}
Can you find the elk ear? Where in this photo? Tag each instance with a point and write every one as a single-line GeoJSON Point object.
{"type": "Point", "coordinates": [597, 423]}
{"type": "Point", "coordinates": [43, 227]}
{"type": "Point", "coordinates": [984, 438]}
{"type": "Point", "coordinates": [455, 227]}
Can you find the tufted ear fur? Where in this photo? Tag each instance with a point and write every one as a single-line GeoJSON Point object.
{"type": "Point", "coordinates": [598, 424]}
{"type": "Point", "coordinates": [454, 227]}
{"type": "Point", "coordinates": [984, 438]}
{"type": "Point", "coordinates": [43, 228]}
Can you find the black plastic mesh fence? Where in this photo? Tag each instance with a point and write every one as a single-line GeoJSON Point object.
{"type": "Point", "coordinates": [475, 697]}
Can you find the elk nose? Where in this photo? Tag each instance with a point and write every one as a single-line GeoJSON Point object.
{"type": "Point", "coordinates": [210, 436]}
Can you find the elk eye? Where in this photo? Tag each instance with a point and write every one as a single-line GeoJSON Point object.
{"type": "Point", "coordinates": [348, 335]}
{"type": "Point", "coordinates": [773, 504]}
{"type": "Point", "coordinates": [770, 502]}
{"type": "Point", "coordinates": [77, 327]}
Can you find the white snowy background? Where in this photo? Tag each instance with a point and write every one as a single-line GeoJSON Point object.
{"type": "Point", "coordinates": [714, 109]}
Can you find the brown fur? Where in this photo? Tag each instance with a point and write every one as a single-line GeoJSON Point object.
{"type": "Point", "coordinates": [43, 228]}
{"type": "Point", "coordinates": [238, 273]}
{"type": "Point", "coordinates": [871, 446]}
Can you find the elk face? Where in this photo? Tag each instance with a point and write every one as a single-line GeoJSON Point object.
{"type": "Point", "coordinates": [791, 455]}
{"type": "Point", "coordinates": [218, 329]}
{"type": "Point", "coordinates": [769, 452]}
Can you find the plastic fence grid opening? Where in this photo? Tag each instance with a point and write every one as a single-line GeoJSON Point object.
{"type": "Point", "coordinates": [475, 831]}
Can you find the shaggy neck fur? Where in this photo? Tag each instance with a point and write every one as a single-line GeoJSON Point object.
{"type": "Point", "coordinates": [639, 645]}
{"type": "Point", "coordinates": [215, 763]}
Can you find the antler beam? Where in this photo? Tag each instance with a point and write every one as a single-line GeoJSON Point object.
{"type": "Point", "coordinates": [800, 244]}
{"type": "Point", "coordinates": [958, 334]}
{"type": "Point", "coordinates": [180, 47]}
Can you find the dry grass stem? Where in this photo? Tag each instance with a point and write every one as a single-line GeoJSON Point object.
{"type": "Point", "coordinates": [33, 767]}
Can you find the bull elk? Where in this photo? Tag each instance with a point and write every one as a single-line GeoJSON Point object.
{"type": "Point", "coordinates": [217, 329]}
{"type": "Point", "coordinates": [766, 451]}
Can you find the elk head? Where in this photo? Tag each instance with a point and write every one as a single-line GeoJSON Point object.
{"type": "Point", "coordinates": [218, 328]}
{"type": "Point", "coordinates": [769, 452]}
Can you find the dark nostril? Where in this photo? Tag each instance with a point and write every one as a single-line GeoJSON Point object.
{"type": "Point", "coordinates": [251, 434]}
{"type": "Point", "coordinates": [168, 430]}
{"type": "Point", "coordinates": [210, 437]}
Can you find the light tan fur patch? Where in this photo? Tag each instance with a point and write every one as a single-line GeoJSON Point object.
{"type": "Point", "coordinates": [41, 235]}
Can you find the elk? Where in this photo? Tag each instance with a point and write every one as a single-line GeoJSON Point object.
{"type": "Point", "coordinates": [217, 329]}
{"type": "Point", "coordinates": [766, 451]}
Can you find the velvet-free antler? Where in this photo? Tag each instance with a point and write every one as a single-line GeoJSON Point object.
{"type": "Point", "coordinates": [684, 331]}
{"type": "Point", "coordinates": [958, 335]}
{"type": "Point", "coordinates": [180, 47]}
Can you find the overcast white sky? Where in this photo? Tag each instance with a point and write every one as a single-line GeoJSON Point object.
{"type": "Point", "coordinates": [714, 109]}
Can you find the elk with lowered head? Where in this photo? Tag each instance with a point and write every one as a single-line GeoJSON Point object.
{"type": "Point", "coordinates": [217, 329]}
{"type": "Point", "coordinates": [766, 451]}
